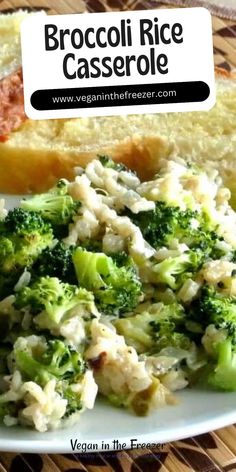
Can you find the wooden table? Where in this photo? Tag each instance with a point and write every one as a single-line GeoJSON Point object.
{"type": "Point", "coordinates": [215, 451]}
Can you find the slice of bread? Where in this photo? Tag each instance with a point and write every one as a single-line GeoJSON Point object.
{"type": "Point", "coordinates": [10, 51]}
{"type": "Point", "coordinates": [39, 152]}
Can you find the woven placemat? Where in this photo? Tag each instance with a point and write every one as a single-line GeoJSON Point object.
{"type": "Point", "coordinates": [221, 11]}
{"type": "Point", "coordinates": [210, 452]}
{"type": "Point", "coordinates": [215, 451]}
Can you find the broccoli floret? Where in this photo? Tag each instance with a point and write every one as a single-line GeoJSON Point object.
{"type": "Point", "coordinates": [56, 262]}
{"type": "Point", "coordinates": [92, 245]}
{"type": "Point", "coordinates": [42, 362]}
{"type": "Point", "coordinates": [116, 289]}
{"type": "Point", "coordinates": [152, 330]}
{"type": "Point", "coordinates": [221, 374]}
{"type": "Point", "coordinates": [160, 226]}
{"type": "Point", "coordinates": [39, 360]}
{"type": "Point", "coordinates": [122, 259]}
{"type": "Point", "coordinates": [109, 163]}
{"type": "Point", "coordinates": [47, 293]}
{"type": "Point", "coordinates": [74, 402]}
{"type": "Point", "coordinates": [214, 308]}
{"type": "Point", "coordinates": [55, 206]}
{"type": "Point", "coordinates": [163, 224]}
{"type": "Point", "coordinates": [24, 235]}
{"type": "Point", "coordinates": [169, 329]}
{"type": "Point", "coordinates": [174, 339]}
{"type": "Point", "coordinates": [173, 271]}
{"type": "Point", "coordinates": [51, 300]}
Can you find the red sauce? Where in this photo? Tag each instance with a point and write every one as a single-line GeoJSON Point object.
{"type": "Point", "coordinates": [12, 113]}
{"type": "Point", "coordinates": [3, 138]}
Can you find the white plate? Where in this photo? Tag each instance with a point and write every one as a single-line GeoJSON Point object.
{"type": "Point", "coordinates": [198, 412]}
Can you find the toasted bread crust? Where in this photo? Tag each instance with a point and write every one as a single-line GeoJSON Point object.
{"type": "Point", "coordinates": [37, 171]}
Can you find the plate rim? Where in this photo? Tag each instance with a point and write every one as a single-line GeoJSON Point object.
{"type": "Point", "coordinates": [47, 446]}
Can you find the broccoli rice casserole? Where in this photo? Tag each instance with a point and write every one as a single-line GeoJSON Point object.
{"type": "Point", "coordinates": [117, 287]}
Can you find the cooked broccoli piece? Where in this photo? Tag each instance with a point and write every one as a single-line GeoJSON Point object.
{"type": "Point", "coordinates": [44, 361]}
{"type": "Point", "coordinates": [39, 360]}
{"type": "Point", "coordinates": [152, 330]}
{"type": "Point", "coordinates": [116, 289]}
{"type": "Point", "coordinates": [233, 256]}
{"type": "Point", "coordinates": [221, 373]}
{"type": "Point", "coordinates": [173, 271]}
{"type": "Point", "coordinates": [56, 262]}
{"type": "Point", "coordinates": [165, 223]}
{"type": "Point", "coordinates": [109, 163]}
{"type": "Point", "coordinates": [214, 308]}
{"type": "Point", "coordinates": [55, 206]}
{"type": "Point", "coordinates": [174, 339]}
{"type": "Point", "coordinates": [168, 329]}
{"type": "Point", "coordinates": [122, 259]}
{"type": "Point", "coordinates": [73, 398]}
{"type": "Point", "coordinates": [23, 236]}
{"type": "Point", "coordinates": [50, 294]}
{"type": "Point", "coordinates": [92, 245]}
{"type": "Point", "coordinates": [52, 301]}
